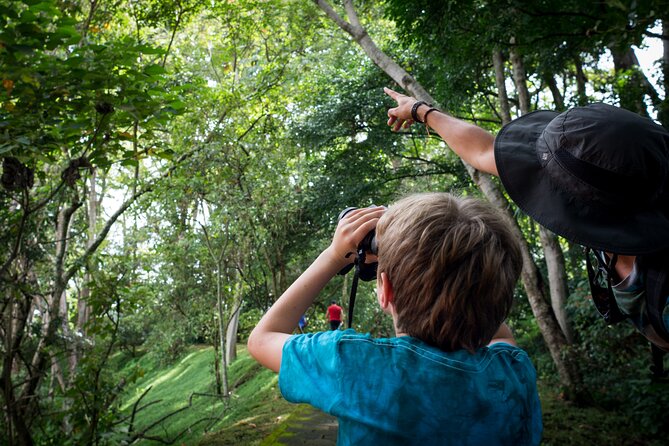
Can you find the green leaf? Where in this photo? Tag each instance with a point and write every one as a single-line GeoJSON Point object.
{"type": "Point", "coordinates": [27, 17]}
{"type": "Point", "coordinates": [166, 154]}
{"type": "Point", "coordinates": [129, 163]}
{"type": "Point", "coordinates": [177, 104]}
{"type": "Point", "coordinates": [65, 35]}
{"type": "Point", "coordinates": [44, 7]}
{"type": "Point", "coordinates": [5, 148]}
{"type": "Point", "coordinates": [154, 69]}
{"type": "Point", "coordinates": [147, 49]}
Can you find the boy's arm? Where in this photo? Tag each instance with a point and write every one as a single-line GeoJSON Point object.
{"type": "Point", "coordinates": [470, 142]}
{"type": "Point", "coordinates": [266, 341]}
{"type": "Point", "coordinates": [503, 334]}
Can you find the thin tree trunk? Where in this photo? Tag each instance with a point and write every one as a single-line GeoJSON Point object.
{"type": "Point", "coordinates": [231, 332]}
{"type": "Point", "coordinates": [552, 251]}
{"type": "Point", "coordinates": [555, 262]}
{"type": "Point", "coordinates": [500, 81]}
{"type": "Point", "coordinates": [221, 330]}
{"type": "Point", "coordinates": [558, 98]}
{"type": "Point", "coordinates": [41, 358]}
{"type": "Point", "coordinates": [83, 308]}
{"type": "Point", "coordinates": [8, 360]}
{"type": "Point", "coordinates": [519, 78]}
{"type": "Point", "coordinates": [581, 81]}
{"type": "Point", "coordinates": [557, 280]}
{"type": "Point", "coordinates": [217, 363]}
{"type": "Point", "coordinates": [637, 86]}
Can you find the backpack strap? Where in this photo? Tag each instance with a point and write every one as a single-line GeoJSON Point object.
{"type": "Point", "coordinates": [602, 293]}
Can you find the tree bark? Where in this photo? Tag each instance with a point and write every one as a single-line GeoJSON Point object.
{"type": "Point", "coordinates": [557, 280]}
{"type": "Point", "coordinates": [83, 309]}
{"type": "Point", "coordinates": [519, 78]}
{"type": "Point", "coordinates": [581, 80]}
{"type": "Point", "coordinates": [637, 86]}
{"type": "Point", "coordinates": [221, 331]}
{"type": "Point", "coordinates": [552, 252]}
{"type": "Point", "coordinates": [500, 81]}
{"type": "Point", "coordinates": [558, 98]}
{"type": "Point", "coordinates": [231, 332]}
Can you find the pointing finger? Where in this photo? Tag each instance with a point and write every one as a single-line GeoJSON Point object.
{"type": "Point", "coordinates": [392, 93]}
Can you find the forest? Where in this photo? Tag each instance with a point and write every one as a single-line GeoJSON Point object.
{"type": "Point", "coordinates": [170, 166]}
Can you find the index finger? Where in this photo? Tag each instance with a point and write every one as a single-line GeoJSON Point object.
{"type": "Point", "coordinates": [392, 93]}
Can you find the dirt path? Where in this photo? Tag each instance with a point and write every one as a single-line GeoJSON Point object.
{"type": "Point", "coordinates": [307, 426]}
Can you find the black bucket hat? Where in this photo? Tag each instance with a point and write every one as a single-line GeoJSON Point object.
{"type": "Point", "coordinates": [596, 175]}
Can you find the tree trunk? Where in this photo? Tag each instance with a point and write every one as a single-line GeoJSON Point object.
{"type": "Point", "coordinates": [41, 358]}
{"type": "Point", "coordinates": [552, 251]}
{"type": "Point", "coordinates": [83, 308]}
{"type": "Point", "coordinates": [557, 280]}
{"type": "Point", "coordinates": [221, 331]}
{"type": "Point", "coordinates": [637, 86]}
{"type": "Point", "coordinates": [519, 78]}
{"type": "Point", "coordinates": [555, 340]}
{"type": "Point", "coordinates": [558, 99]}
{"type": "Point", "coordinates": [231, 334]}
{"type": "Point", "coordinates": [500, 81]}
{"type": "Point", "coordinates": [581, 81]}
{"type": "Point", "coordinates": [217, 363]}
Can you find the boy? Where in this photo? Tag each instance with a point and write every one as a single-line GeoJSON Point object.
{"type": "Point", "coordinates": [452, 375]}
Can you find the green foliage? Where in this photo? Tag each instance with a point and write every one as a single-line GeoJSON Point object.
{"type": "Point", "coordinates": [624, 356]}
{"type": "Point", "coordinates": [565, 423]}
{"type": "Point", "coordinates": [455, 40]}
{"type": "Point", "coordinates": [66, 96]}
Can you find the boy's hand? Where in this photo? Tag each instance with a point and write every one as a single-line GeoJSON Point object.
{"type": "Point", "coordinates": [268, 338]}
{"type": "Point", "coordinates": [350, 232]}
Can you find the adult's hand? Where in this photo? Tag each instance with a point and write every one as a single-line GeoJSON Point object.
{"type": "Point", "coordinates": [470, 142]}
{"type": "Point", "coordinates": [400, 116]}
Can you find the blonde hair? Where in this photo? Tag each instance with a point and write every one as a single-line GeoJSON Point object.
{"type": "Point", "coordinates": [453, 263]}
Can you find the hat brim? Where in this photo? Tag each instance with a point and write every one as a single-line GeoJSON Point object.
{"type": "Point", "coordinates": [619, 230]}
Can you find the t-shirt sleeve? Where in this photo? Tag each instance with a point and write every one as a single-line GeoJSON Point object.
{"type": "Point", "coordinates": [308, 372]}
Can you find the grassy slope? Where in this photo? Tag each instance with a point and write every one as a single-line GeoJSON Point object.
{"type": "Point", "coordinates": [257, 409]}
{"type": "Point", "coordinates": [253, 411]}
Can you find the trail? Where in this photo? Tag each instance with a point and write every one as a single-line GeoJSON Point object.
{"type": "Point", "coordinates": [309, 427]}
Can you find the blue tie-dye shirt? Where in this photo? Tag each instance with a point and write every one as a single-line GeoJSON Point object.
{"type": "Point", "coordinates": [401, 391]}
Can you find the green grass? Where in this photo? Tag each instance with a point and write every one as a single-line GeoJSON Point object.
{"type": "Point", "coordinates": [252, 412]}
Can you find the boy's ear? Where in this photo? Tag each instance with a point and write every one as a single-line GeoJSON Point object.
{"type": "Point", "coordinates": [386, 293]}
